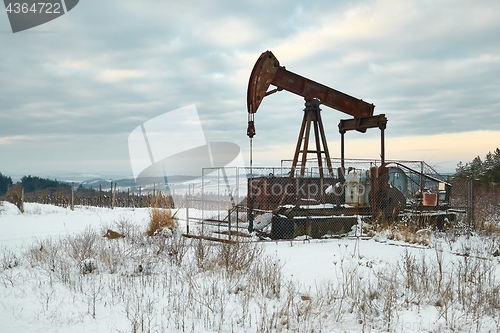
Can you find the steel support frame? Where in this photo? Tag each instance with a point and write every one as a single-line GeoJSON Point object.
{"type": "Point", "coordinates": [312, 114]}
{"type": "Point", "coordinates": [361, 125]}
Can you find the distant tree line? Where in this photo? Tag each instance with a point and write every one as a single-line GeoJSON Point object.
{"type": "Point", "coordinates": [34, 183]}
{"type": "Point", "coordinates": [30, 184]}
{"type": "Point", "coordinates": [485, 172]}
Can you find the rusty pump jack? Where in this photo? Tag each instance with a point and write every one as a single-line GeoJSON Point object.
{"type": "Point", "coordinates": [267, 71]}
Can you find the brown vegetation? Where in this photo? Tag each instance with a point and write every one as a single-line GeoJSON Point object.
{"type": "Point", "coordinates": [160, 218]}
{"type": "Point", "coordinates": [15, 195]}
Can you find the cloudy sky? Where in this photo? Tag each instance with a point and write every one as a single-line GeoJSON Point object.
{"type": "Point", "coordinates": [73, 89]}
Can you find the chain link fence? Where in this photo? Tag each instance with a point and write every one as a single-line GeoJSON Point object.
{"type": "Point", "coordinates": [321, 200]}
{"type": "Point", "coordinates": [329, 199]}
{"type": "Point", "coordinates": [65, 197]}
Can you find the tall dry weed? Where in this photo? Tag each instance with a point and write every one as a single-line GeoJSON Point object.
{"type": "Point", "coordinates": [160, 219]}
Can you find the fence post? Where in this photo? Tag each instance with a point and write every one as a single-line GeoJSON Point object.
{"type": "Point", "coordinates": [470, 204]}
{"type": "Point", "coordinates": [422, 179]}
{"type": "Point", "coordinates": [72, 195]}
{"type": "Point", "coordinates": [22, 199]}
{"type": "Point", "coordinates": [187, 214]}
{"type": "Point", "coordinates": [229, 223]}
{"type": "Point", "coordinates": [114, 197]}
{"type": "Point", "coordinates": [237, 215]}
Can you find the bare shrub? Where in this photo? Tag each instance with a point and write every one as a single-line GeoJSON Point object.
{"type": "Point", "coordinates": [125, 227]}
{"type": "Point", "coordinates": [85, 245]}
{"type": "Point", "coordinates": [113, 256]}
{"type": "Point", "coordinates": [267, 276]}
{"type": "Point", "coordinates": [44, 253]}
{"type": "Point", "coordinates": [170, 244]}
{"type": "Point", "coordinates": [9, 258]}
{"type": "Point", "coordinates": [487, 209]}
{"type": "Point", "coordinates": [15, 195]}
{"type": "Point", "coordinates": [204, 254]}
{"type": "Point", "coordinates": [51, 256]}
{"type": "Point", "coordinates": [239, 256]}
{"type": "Point", "coordinates": [140, 310]}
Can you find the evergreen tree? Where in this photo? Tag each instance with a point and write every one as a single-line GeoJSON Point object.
{"type": "Point", "coordinates": [5, 183]}
{"type": "Point", "coordinates": [34, 183]}
{"type": "Point", "coordinates": [485, 172]}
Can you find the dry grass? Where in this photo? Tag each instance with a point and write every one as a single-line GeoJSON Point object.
{"type": "Point", "coordinates": [486, 216]}
{"type": "Point", "coordinates": [220, 287]}
{"type": "Point", "coordinates": [487, 209]}
{"type": "Point", "coordinates": [400, 231]}
{"type": "Point", "coordinates": [160, 219]}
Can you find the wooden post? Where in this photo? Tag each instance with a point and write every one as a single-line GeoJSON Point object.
{"type": "Point", "coordinates": [22, 199]}
{"type": "Point", "coordinates": [237, 215]}
{"type": "Point", "coordinates": [229, 223]}
{"type": "Point", "coordinates": [72, 195]}
{"type": "Point", "coordinates": [187, 213]}
{"type": "Point", "coordinates": [470, 204]}
{"type": "Point", "coordinates": [114, 197]}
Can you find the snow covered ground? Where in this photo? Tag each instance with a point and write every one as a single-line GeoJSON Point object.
{"type": "Point", "coordinates": [58, 274]}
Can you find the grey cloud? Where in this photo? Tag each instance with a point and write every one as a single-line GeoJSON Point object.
{"type": "Point", "coordinates": [110, 66]}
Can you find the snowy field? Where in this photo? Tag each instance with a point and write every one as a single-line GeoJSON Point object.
{"type": "Point", "coordinates": [58, 274]}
